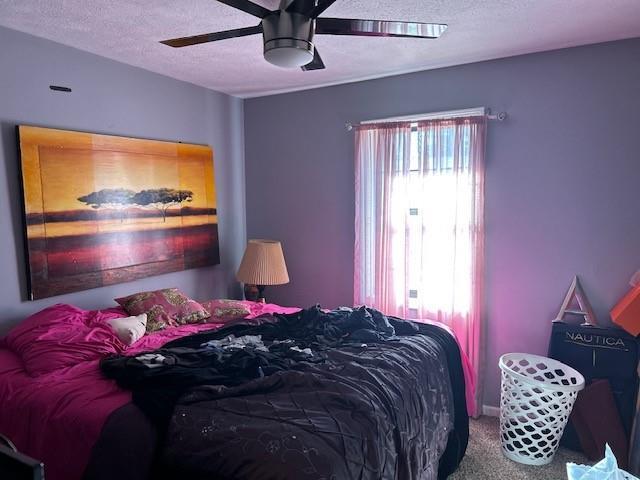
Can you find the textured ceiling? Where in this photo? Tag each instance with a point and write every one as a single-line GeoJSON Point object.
{"type": "Point", "coordinates": [129, 31]}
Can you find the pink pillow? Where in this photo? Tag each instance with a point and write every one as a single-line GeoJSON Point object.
{"type": "Point", "coordinates": [62, 336]}
{"type": "Point", "coordinates": [224, 310]}
{"type": "Point", "coordinates": [164, 308]}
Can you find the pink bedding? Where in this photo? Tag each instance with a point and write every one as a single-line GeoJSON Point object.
{"type": "Point", "coordinates": [54, 400]}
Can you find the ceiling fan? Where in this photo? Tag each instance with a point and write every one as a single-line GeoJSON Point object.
{"type": "Point", "coordinates": [288, 32]}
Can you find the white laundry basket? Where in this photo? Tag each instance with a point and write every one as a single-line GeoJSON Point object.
{"type": "Point", "coordinates": [536, 399]}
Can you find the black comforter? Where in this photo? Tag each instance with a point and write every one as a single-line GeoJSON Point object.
{"type": "Point", "coordinates": [313, 395]}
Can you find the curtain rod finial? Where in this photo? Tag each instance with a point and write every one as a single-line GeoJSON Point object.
{"type": "Point", "coordinates": [348, 126]}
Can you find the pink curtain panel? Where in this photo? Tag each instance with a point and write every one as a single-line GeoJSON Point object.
{"type": "Point", "coordinates": [419, 249]}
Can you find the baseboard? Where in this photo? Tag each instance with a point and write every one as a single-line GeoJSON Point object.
{"type": "Point", "coordinates": [490, 411]}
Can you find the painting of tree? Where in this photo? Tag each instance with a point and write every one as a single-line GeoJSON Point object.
{"type": "Point", "coordinates": [101, 209]}
{"type": "Point", "coordinates": [115, 198]}
{"type": "Point", "coordinates": [162, 199]}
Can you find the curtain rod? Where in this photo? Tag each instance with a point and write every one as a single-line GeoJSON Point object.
{"type": "Point", "coordinates": [469, 112]}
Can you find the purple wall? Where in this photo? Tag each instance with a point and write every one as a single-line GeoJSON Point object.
{"type": "Point", "coordinates": [562, 181]}
{"type": "Point", "coordinates": [110, 97]}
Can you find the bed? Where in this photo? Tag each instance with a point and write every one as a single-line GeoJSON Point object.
{"type": "Point", "coordinates": [358, 409]}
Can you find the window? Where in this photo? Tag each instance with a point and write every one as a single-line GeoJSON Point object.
{"type": "Point", "coordinates": [436, 234]}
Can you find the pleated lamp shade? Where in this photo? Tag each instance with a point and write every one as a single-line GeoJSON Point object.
{"type": "Point", "coordinates": [263, 264]}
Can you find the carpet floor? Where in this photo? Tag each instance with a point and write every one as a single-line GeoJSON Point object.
{"type": "Point", "coordinates": [484, 459]}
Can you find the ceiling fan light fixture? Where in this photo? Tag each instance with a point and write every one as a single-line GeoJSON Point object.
{"type": "Point", "coordinates": [288, 53]}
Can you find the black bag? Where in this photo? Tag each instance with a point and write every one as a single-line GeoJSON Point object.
{"type": "Point", "coordinates": [596, 352]}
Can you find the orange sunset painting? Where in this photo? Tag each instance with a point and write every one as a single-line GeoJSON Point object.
{"type": "Point", "coordinates": [102, 209]}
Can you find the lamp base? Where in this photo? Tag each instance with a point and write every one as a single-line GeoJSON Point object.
{"type": "Point", "coordinates": [254, 293]}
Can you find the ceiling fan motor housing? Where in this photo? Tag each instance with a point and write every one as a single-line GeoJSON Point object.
{"type": "Point", "coordinates": [288, 39]}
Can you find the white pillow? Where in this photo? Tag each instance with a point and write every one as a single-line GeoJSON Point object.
{"type": "Point", "coordinates": [129, 329]}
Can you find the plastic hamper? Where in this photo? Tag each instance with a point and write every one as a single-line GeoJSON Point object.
{"type": "Point", "coordinates": [535, 402]}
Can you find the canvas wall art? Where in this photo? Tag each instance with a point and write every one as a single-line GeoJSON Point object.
{"type": "Point", "coordinates": [102, 209]}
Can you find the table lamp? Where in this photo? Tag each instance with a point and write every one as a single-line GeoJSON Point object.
{"type": "Point", "coordinates": [262, 264]}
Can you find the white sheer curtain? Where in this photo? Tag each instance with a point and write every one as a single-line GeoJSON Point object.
{"type": "Point", "coordinates": [419, 223]}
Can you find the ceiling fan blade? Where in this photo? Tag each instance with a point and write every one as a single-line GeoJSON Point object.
{"type": "Point", "coordinates": [212, 37]}
{"type": "Point", "coordinates": [310, 8]}
{"type": "Point", "coordinates": [378, 28]}
{"type": "Point", "coordinates": [247, 6]}
{"type": "Point", "coordinates": [315, 64]}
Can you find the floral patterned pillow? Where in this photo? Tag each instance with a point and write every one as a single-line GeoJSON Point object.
{"type": "Point", "coordinates": [224, 310]}
{"type": "Point", "coordinates": [164, 308]}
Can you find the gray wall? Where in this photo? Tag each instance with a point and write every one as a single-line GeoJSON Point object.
{"type": "Point", "coordinates": [562, 181]}
{"type": "Point", "coordinates": [113, 98]}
